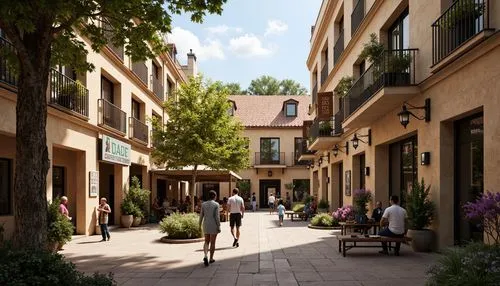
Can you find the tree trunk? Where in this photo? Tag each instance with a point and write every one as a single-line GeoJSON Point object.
{"type": "Point", "coordinates": [192, 186]}
{"type": "Point", "coordinates": [32, 163]}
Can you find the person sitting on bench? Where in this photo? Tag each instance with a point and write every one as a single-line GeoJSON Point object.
{"type": "Point", "coordinates": [394, 218]}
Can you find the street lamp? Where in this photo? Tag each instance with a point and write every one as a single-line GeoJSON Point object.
{"type": "Point", "coordinates": [404, 115]}
{"type": "Point", "coordinates": [338, 148]}
{"type": "Point", "coordinates": [355, 140]}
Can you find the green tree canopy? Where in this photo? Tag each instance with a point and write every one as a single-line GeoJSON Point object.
{"type": "Point", "coordinates": [268, 85]}
{"type": "Point", "coordinates": [42, 33]}
{"type": "Point", "coordinates": [232, 88]}
{"type": "Point", "coordinates": [200, 131]}
{"type": "Point", "coordinates": [291, 87]}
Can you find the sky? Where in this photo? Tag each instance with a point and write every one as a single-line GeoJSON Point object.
{"type": "Point", "coordinates": [251, 38]}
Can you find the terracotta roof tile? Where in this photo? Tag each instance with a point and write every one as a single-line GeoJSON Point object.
{"type": "Point", "coordinates": [267, 111]}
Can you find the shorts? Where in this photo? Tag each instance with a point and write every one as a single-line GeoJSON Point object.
{"type": "Point", "coordinates": [271, 205]}
{"type": "Point", "coordinates": [280, 217]}
{"type": "Point", "coordinates": [235, 219]}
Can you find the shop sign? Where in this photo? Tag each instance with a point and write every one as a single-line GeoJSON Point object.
{"type": "Point", "coordinates": [93, 184]}
{"type": "Point", "coordinates": [325, 105]}
{"type": "Point", "coordinates": [115, 151]}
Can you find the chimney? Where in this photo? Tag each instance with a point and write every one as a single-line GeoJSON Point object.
{"type": "Point", "coordinates": [192, 67]}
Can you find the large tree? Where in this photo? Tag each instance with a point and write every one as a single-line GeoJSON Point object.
{"type": "Point", "coordinates": [43, 34]}
{"type": "Point", "coordinates": [268, 85]}
{"type": "Point", "coordinates": [233, 88]}
{"type": "Point", "coordinates": [200, 132]}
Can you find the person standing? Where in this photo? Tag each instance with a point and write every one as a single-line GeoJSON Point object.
{"type": "Point", "coordinates": [63, 207]}
{"type": "Point", "coordinates": [394, 218]}
{"type": "Point", "coordinates": [254, 202]}
{"type": "Point", "coordinates": [104, 210]}
{"type": "Point", "coordinates": [270, 202]}
{"type": "Point", "coordinates": [236, 211]}
{"type": "Point", "coordinates": [209, 216]}
{"type": "Point", "coordinates": [281, 212]}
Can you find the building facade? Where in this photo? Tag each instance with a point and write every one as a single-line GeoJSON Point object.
{"type": "Point", "coordinates": [273, 126]}
{"type": "Point", "coordinates": [98, 130]}
{"type": "Point", "coordinates": [439, 62]}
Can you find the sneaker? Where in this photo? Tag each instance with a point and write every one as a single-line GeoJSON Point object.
{"type": "Point", "coordinates": [205, 261]}
{"type": "Point", "coordinates": [235, 242]}
{"type": "Point", "coordinates": [102, 240]}
{"type": "Point", "coordinates": [109, 238]}
{"type": "Point", "coordinates": [212, 261]}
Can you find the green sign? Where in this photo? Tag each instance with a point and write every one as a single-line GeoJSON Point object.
{"type": "Point", "coordinates": [115, 151]}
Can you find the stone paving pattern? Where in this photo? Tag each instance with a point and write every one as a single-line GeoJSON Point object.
{"type": "Point", "coordinates": [268, 255]}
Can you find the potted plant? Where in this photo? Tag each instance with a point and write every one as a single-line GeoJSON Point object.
{"type": "Point", "coordinates": [325, 128]}
{"type": "Point", "coordinates": [60, 228]}
{"type": "Point", "coordinates": [396, 68]}
{"type": "Point", "coordinates": [420, 214]}
{"type": "Point", "coordinates": [139, 197]}
{"type": "Point", "coordinates": [361, 198]}
{"type": "Point", "coordinates": [462, 17]}
{"type": "Point", "coordinates": [344, 85]}
{"type": "Point", "coordinates": [345, 213]}
{"type": "Point", "coordinates": [138, 215]}
{"type": "Point", "coordinates": [323, 206]}
{"type": "Point", "coordinates": [128, 209]}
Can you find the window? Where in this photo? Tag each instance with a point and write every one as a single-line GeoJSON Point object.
{"type": "Point", "coordinates": [107, 90]}
{"type": "Point", "coordinates": [362, 68]}
{"type": "Point", "coordinates": [156, 71]}
{"type": "Point", "coordinates": [399, 33]}
{"type": "Point", "coordinates": [58, 184]}
{"type": "Point", "coordinates": [291, 109]}
{"type": "Point", "coordinates": [136, 109]}
{"type": "Point", "coordinates": [5, 186]}
{"type": "Point", "coordinates": [362, 165]}
{"type": "Point", "coordinates": [269, 150]}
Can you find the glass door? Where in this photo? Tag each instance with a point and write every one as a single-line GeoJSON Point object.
{"type": "Point", "coordinates": [403, 169]}
{"type": "Point", "coordinates": [269, 150]}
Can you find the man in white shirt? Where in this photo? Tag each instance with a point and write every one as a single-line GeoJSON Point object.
{"type": "Point", "coordinates": [394, 218]}
{"type": "Point", "coordinates": [271, 201]}
{"type": "Point", "coordinates": [236, 207]}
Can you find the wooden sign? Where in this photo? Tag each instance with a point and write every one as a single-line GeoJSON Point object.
{"type": "Point", "coordinates": [306, 127]}
{"type": "Point", "coordinates": [325, 105]}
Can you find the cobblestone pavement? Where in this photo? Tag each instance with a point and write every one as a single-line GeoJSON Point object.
{"type": "Point", "coordinates": [268, 255]}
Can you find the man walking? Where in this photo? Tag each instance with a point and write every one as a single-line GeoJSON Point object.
{"type": "Point", "coordinates": [254, 202]}
{"type": "Point", "coordinates": [236, 209]}
{"type": "Point", "coordinates": [270, 202]}
{"type": "Point", "coordinates": [394, 218]}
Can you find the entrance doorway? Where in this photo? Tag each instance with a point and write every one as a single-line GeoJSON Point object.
{"type": "Point", "coordinates": [58, 182]}
{"type": "Point", "coordinates": [267, 187]}
{"type": "Point", "coordinates": [207, 187]}
{"type": "Point", "coordinates": [403, 158]}
{"type": "Point", "coordinates": [161, 190]}
{"type": "Point", "coordinates": [107, 187]}
{"type": "Point", "coordinates": [469, 158]}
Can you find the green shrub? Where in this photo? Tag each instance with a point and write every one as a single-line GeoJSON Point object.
{"type": "Point", "coordinates": [181, 226]}
{"type": "Point", "coordinates": [139, 197]}
{"type": "Point", "coordinates": [60, 227]}
{"type": "Point", "coordinates": [324, 219]}
{"type": "Point", "coordinates": [419, 206]}
{"type": "Point", "coordinates": [28, 267]}
{"type": "Point", "coordinates": [323, 204]}
{"type": "Point", "coordinates": [128, 207]}
{"type": "Point", "coordinates": [474, 264]}
{"type": "Point", "coordinates": [298, 208]}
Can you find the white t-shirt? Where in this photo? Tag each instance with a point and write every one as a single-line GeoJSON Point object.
{"type": "Point", "coordinates": [396, 216]}
{"type": "Point", "coordinates": [235, 203]}
{"type": "Point", "coordinates": [271, 199]}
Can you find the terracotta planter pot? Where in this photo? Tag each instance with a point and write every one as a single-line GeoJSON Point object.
{"type": "Point", "coordinates": [137, 221]}
{"type": "Point", "coordinates": [144, 220]}
{"type": "Point", "coordinates": [421, 240]}
{"type": "Point", "coordinates": [126, 220]}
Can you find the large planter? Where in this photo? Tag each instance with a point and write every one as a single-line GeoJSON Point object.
{"type": "Point", "coordinates": [137, 221]}
{"type": "Point", "coordinates": [126, 220]}
{"type": "Point", "coordinates": [421, 240]}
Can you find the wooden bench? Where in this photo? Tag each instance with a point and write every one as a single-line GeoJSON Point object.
{"type": "Point", "coordinates": [292, 215]}
{"type": "Point", "coordinates": [353, 239]}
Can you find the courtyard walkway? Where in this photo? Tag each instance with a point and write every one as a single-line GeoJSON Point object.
{"type": "Point", "coordinates": [268, 255]}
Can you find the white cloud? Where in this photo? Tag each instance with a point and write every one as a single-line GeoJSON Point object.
{"type": "Point", "coordinates": [223, 29]}
{"type": "Point", "coordinates": [275, 27]}
{"type": "Point", "coordinates": [185, 40]}
{"type": "Point", "coordinates": [249, 45]}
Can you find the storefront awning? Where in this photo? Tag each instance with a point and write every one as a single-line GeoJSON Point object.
{"type": "Point", "coordinates": [202, 175]}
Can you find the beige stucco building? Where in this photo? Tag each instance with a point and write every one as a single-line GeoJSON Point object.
{"type": "Point", "coordinates": [273, 126]}
{"type": "Point", "coordinates": [440, 56]}
{"type": "Point", "coordinates": [98, 130]}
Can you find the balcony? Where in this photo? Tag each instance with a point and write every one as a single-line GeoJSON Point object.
{"type": "Point", "coordinates": [158, 89]}
{"type": "Point", "coordinates": [324, 134]}
{"type": "Point", "coordinates": [7, 75]}
{"type": "Point", "coordinates": [297, 162]}
{"type": "Point", "coordinates": [324, 72]}
{"type": "Point", "coordinates": [111, 116]}
{"type": "Point", "coordinates": [459, 28]}
{"type": "Point", "coordinates": [381, 88]}
{"type": "Point", "coordinates": [68, 95]}
{"type": "Point", "coordinates": [357, 16]}
{"type": "Point", "coordinates": [338, 49]}
{"type": "Point", "coordinates": [141, 70]}
{"type": "Point", "coordinates": [269, 159]}
{"type": "Point", "coordinates": [303, 154]}
{"type": "Point", "coordinates": [117, 50]}
{"type": "Point", "coordinates": [315, 94]}
{"type": "Point", "coordinates": [139, 130]}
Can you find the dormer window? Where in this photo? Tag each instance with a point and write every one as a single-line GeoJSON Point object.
{"type": "Point", "coordinates": [291, 109]}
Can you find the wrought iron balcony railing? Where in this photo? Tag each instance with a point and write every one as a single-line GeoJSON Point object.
{"type": "Point", "coordinates": [139, 130]}
{"type": "Point", "coordinates": [315, 94]}
{"type": "Point", "coordinates": [7, 74]}
{"type": "Point", "coordinates": [396, 68]}
{"type": "Point", "coordinates": [112, 116]}
{"type": "Point", "coordinates": [357, 16]}
{"type": "Point", "coordinates": [338, 48]}
{"type": "Point", "coordinates": [460, 22]}
{"type": "Point", "coordinates": [327, 128]}
{"type": "Point", "coordinates": [269, 158]}
{"type": "Point", "coordinates": [67, 93]}
{"type": "Point", "coordinates": [324, 72]}
{"type": "Point", "coordinates": [141, 70]}
{"type": "Point", "coordinates": [158, 89]}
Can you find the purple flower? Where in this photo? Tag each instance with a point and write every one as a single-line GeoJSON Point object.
{"type": "Point", "coordinates": [486, 209]}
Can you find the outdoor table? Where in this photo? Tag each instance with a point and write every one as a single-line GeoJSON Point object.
{"type": "Point", "coordinates": [345, 225]}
